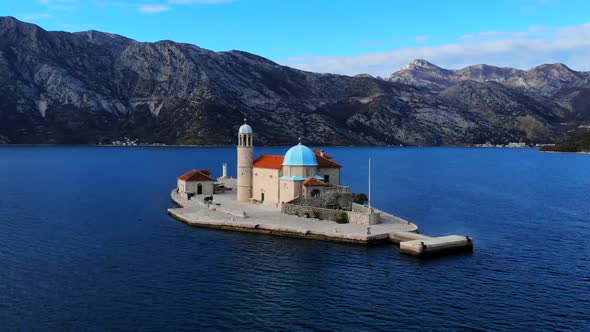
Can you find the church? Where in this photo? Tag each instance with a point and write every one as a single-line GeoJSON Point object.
{"type": "Point", "coordinates": [276, 179]}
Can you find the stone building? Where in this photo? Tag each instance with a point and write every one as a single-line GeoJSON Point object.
{"type": "Point", "coordinates": [275, 179]}
{"type": "Point", "coordinates": [303, 182]}
{"type": "Point", "coordinates": [195, 182]}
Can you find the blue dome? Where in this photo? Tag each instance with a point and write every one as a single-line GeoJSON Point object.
{"type": "Point", "coordinates": [300, 155]}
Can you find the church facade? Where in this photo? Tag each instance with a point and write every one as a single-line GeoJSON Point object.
{"type": "Point", "coordinates": [275, 179]}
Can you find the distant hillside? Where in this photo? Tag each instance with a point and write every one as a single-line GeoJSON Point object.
{"type": "Point", "coordinates": [94, 87]}
{"type": "Point", "coordinates": [577, 143]}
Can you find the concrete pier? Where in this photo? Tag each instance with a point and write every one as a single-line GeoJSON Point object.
{"type": "Point", "coordinates": [433, 246]}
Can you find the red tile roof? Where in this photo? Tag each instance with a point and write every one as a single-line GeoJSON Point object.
{"type": "Point", "coordinates": [269, 161]}
{"type": "Point", "coordinates": [205, 171]}
{"type": "Point", "coordinates": [197, 175]}
{"type": "Point", "coordinates": [313, 182]}
{"type": "Point", "coordinates": [325, 160]}
{"type": "Point", "coordinates": [319, 152]}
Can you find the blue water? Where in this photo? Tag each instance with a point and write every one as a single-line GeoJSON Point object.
{"type": "Point", "coordinates": [85, 244]}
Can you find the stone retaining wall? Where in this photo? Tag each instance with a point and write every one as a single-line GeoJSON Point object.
{"type": "Point", "coordinates": [334, 200]}
{"type": "Point", "coordinates": [359, 215]}
{"type": "Point", "coordinates": [362, 218]}
{"type": "Point", "coordinates": [315, 212]}
{"type": "Point", "coordinates": [360, 208]}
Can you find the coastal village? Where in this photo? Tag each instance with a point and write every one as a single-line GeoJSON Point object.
{"type": "Point", "coordinates": [298, 194]}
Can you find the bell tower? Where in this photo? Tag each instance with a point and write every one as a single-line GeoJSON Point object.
{"type": "Point", "coordinates": [245, 160]}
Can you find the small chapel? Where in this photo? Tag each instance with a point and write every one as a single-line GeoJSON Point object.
{"type": "Point", "coordinates": [276, 179]}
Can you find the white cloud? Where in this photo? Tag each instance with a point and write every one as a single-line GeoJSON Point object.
{"type": "Point", "coordinates": [422, 39]}
{"type": "Point", "coordinates": [112, 3]}
{"type": "Point", "coordinates": [569, 45]}
{"type": "Point", "coordinates": [65, 5]}
{"type": "Point", "coordinates": [76, 27]}
{"type": "Point", "coordinates": [152, 9]}
{"type": "Point", "coordinates": [370, 43]}
{"type": "Point", "coordinates": [33, 17]}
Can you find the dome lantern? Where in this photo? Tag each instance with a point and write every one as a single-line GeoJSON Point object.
{"type": "Point", "coordinates": [245, 128]}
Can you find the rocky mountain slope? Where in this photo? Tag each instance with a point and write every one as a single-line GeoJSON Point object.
{"type": "Point", "coordinates": [93, 87]}
{"type": "Point", "coordinates": [552, 92]}
{"type": "Point", "coordinates": [579, 142]}
{"type": "Point", "coordinates": [544, 80]}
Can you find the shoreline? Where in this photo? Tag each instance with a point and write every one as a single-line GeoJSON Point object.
{"type": "Point", "coordinates": [567, 152]}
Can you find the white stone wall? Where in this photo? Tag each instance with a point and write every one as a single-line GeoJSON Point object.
{"type": "Point", "coordinates": [266, 180]}
{"type": "Point", "coordinates": [181, 185]}
{"type": "Point", "coordinates": [334, 174]}
{"type": "Point", "coordinates": [191, 187]}
{"type": "Point", "coordinates": [304, 171]}
{"type": "Point", "coordinates": [289, 190]}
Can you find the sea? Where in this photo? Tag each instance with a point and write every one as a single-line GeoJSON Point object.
{"type": "Point", "coordinates": [86, 244]}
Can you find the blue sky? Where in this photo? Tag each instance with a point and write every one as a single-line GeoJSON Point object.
{"type": "Point", "coordinates": [345, 36]}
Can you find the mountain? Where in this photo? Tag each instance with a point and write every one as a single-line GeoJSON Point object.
{"type": "Point", "coordinates": [544, 101]}
{"type": "Point", "coordinates": [94, 87]}
{"type": "Point", "coordinates": [544, 80]}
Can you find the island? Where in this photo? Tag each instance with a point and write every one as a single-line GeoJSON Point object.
{"type": "Point", "coordinates": [297, 194]}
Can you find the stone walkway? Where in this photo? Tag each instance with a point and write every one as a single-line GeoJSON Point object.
{"type": "Point", "coordinates": [229, 214]}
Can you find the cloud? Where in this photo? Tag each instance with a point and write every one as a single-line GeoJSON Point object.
{"type": "Point", "coordinates": [152, 9]}
{"type": "Point", "coordinates": [112, 3]}
{"type": "Point", "coordinates": [526, 49]}
{"type": "Point", "coordinates": [202, 2]}
{"type": "Point", "coordinates": [422, 39]}
{"type": "Point", "coordinates": [489, 34]}
{"type": "Point", "coordinates": [33, 17]}
{"type": "Point", "coordinates": [64, 5]}
{"type": "Point", "coordinates": [370, 43]}
{"type": "Point", "coordinates": [76, 27]}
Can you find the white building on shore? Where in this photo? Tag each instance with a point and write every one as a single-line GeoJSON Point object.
{"type": "Point", "coordinates": [195, 182]}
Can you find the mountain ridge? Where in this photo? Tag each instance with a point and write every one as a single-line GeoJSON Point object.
{"type": "Point", "coordinates": [94, 87]}
{"type": "Point", "coordinates": [433, 76]}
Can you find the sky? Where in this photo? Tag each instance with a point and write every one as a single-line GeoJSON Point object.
{"type": "Point", "coordinates": [348, 37]}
